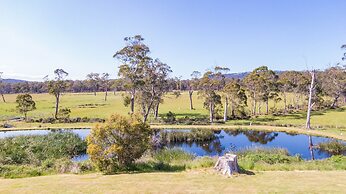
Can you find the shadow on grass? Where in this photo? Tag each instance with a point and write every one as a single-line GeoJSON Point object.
{"type": "Point", "coordinates": [244, 171]}
{"type": "Point", "coordinates": [199, 115]}
{"type": "Point", "coordinates": [149, 167]}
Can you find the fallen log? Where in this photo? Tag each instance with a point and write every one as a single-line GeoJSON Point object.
{"type": "Point", "coordinates": [227, 164]}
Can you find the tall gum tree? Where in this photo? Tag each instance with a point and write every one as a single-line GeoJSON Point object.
{"type": "Point", "coordinates": [105, 84]}
{"type": "Point", "coordinates": [57, 86]}
{"type": "Point", "coordinates": [237, 98]}
{"type": "Point", "coordinates": [155, 85]}
{"type": "Point", "coordinates": [193, 85]}
{"type": "Point", "coordinates": [133, 58]}
{"type": "Point", "coordinates": [209, 85]}
{"type": "Point", "coordinates": [93, 80]}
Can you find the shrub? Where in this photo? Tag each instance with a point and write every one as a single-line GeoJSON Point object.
{"type": "Point", "coordinates": [332, 147]}
{"type": "Point", "coordinates": [169, 118]}
{"type": "Point", "coordinates": [20, 171]}
{"type": "Point", "coordinates": [38, 148]}
{"type": "Point", "coordinates": [251, 156]}
{"type": "Point", "coordinates": [118, 143]}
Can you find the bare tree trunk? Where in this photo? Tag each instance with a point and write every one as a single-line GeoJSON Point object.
{"type": "Point", "coordinates": [57, 99]}
{"type": "Point", "coordinates": [267, 107]}
{"type": "Point", "coordinates": [311, 148]}
{"type": "Point", "coordinates": [254, 104]}
{"type": "Point", "coordinates": [297, 102]}
{"type": "Point", "coordinates": [132, 102]}
{"type": "Point", "coordinates": [3, 97]}
{"type": "Point", "coordinates": [285, 102]}
{"type": "Point", "coordinates": [25, 116]}
{"type": "Point", "coordinates": [225, 110]}
{"type": "Point", "coordinates": [94, 92]}
{"type": "Point", "coordinates": [311, 90]}
{"type": "Point", "coordinates": [259, 108]}
{"type": "Point", "coordinates": [146, 114]}
{"type": "Point", "coordinates": [211, 112]}
{"type": "Point", "coordinates": [190, 96]}
{"type": "Point", "coordinates": [156, 112]}
{"type": "Point", "coordinates": [335, 101]}
{"type": "Point", "coordinates": [106, 94]}
{"type": "Point", "coordinates": [232, 109]}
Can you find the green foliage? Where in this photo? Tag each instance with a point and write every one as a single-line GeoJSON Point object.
{"type": "Point", "coordinates": [36, 149]}
{"type": "Point", "coordinates": [332, 147]}
{"type": "Point", "coordinates": [201, 162]}
{"type": "Point", "coordinates": [190, 136]}
{"type": "Point", "coordinates": [20, 171]}
{"type": "Point", "coordinates": [25, 104]}
{"type": "Point", "coordinates": [172, 155]}
{"type": "Point", "coordinates": [64, 113]}
{"type": "Point", "coordinates": [177, 94]}
{"type": "Point", "coordinates": [169, 117]}
{"type": "Point", "coordinates": [118, 143]}
{"type": "Point", "coordinates": [251, 156]}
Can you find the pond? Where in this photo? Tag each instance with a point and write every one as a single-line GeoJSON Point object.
{"type": "Point", "coordinates": [224, 141]}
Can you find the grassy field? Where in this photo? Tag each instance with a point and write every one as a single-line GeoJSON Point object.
{"type": "Point", "coordinates": [183, 182]}
{"type": "Point", "coordinates": [88, 105]}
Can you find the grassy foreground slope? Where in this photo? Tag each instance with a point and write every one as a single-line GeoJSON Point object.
{"type": "Point", "coordinates": [182, 182]}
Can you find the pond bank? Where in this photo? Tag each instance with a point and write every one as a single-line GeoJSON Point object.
{"type": "Point", "coordinates": [337, 134]}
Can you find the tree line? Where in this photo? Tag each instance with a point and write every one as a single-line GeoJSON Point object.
{"type": "Point", "coordinates": [146, 80]}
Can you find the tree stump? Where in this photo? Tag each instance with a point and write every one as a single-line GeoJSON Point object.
{"type": "Point", "coordinates": [227, 164]}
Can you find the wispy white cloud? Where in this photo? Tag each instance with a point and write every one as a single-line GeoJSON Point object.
{"type": "Point", "coordinates": [7, 75]}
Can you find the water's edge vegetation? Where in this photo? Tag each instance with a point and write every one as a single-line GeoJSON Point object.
{"type": "Point", "coordinates": [25, 156]}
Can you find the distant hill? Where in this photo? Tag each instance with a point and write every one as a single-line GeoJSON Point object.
{"type": "Point", "coordinates": [236, 75]}
{"type": "Point", "coordinates": [243, 74]}
{"type": "Point", "coordinates": [13, 81]}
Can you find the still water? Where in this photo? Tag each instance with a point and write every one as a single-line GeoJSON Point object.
{"type": "Point", "coordinates": [226, 140]}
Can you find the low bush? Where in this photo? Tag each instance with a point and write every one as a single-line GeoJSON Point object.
{"type": "Point", "coordinates": [332, 147]}
{"type": "Point", "coordinates": [21, 171]}
{"type": "Point", "coordinates": [36, 149]}
{"type": "Point", "coordinates": [118, 143]}
{"type": "Point", "coordinates": [250, 157]}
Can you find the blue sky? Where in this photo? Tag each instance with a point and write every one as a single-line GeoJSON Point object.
{"type": "Point", "coordinates": [81, 36]}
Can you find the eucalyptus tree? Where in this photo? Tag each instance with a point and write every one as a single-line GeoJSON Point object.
{"type": "Point", "coordinates": [303, 81]}
{"type": "Point", "coordinates": [269, 87]}
{"type": "Point", "coordinates": [133, 57]}
{"type": "Point", "coordinates": [236, 96]}
{"type": "Point", "coordinates": [25, 103]}
{"type": "Point", "coordinates": [57, 86]}
{"type": "Point", "coordinates": [93, 80]}
{"type": "Point", "coordinates": [344, 47]}
{"type": "Point", "coordinates": [105, 83]}
{"type": "Point", "coordinates": [334, 83]}
{"type": "Point", "coordinates": [254, 83]}
{"type": "Point", "coordinates": [208, 87]}
{"type": "Point", "coordinates": [220, 76]}
{"type": "Point", "coordinates": [286, 85]}
{"type": "Point", "coordinates": [2, 88]}
{"type": "Point", "coordinates": [155, 85]}
{"type": "Point", "coordinates": [193, 85]}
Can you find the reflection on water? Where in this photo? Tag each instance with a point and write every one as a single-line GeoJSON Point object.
{"type": "Point", "coordinates": [311, 148]}
{"type": "Point", "coordinates": [224, 141]}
